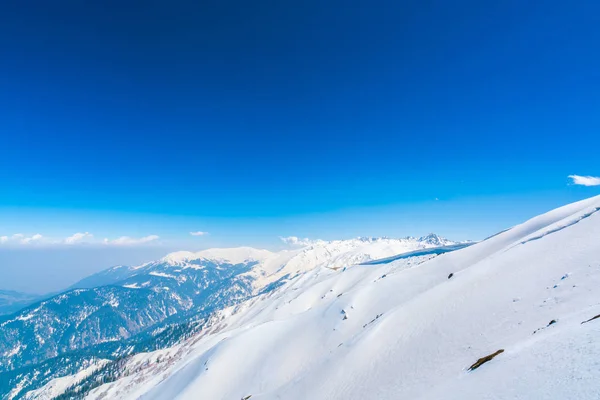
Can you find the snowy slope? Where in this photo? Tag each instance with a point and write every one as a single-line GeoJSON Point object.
{"type": "Point", "coordinates": [405, 330]}
{"type": "Point", "coordinates": [232, 256]}
{"type": "Point", "coordinates": [337, 254]}
{"type": "Point", "coordinates": [123, 310]}
{"type": "Point", "coordinates": [57, 386]}
{"type": "Point", "coordinates": [334, 254]}
{"type": "Point", "coordinates": [133, 300]}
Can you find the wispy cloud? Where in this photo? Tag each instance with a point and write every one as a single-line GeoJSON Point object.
{"type": "Point", "coordinates": [198, 233]}
{"type": "Point", "coordinates": [296, 241]}
{"type": "Point", "coordinates": [20, 239]}
{"type": "Point", "coordinates": [585, 180]}
{"type": "Point", "coordinates": [78, 237]}
{"type": "Point", "coordinates": [35, 238]}
{"type": "Point", "coordinates": [130, 241]}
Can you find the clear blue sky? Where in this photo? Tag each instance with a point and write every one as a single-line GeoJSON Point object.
{"type": "Point", "coordinates": [253, 120]}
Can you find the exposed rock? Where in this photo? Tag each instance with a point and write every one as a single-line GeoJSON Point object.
{"type": "Point", "coordinates": [485, 359]}
{"type": "Point", "coordinates": [591, 319]}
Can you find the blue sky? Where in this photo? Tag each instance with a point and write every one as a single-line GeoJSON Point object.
{"type": "Point", "coordinates": [251, 121]}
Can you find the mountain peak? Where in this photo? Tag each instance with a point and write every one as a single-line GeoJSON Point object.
{"type": "Point", "coordinates": [234, 255]}
{"type": "Point", "coordinates": [435, 239]}
{"type": "Point", "coordinates": [178, 257]}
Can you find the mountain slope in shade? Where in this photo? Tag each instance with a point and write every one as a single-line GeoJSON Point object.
{"type": "Point", "coordinates": [524, 304]}
{"type": "Point", "coordinates": [81, 318]}
{"type": "Point", "coordinates": [105, 277]}
{"type": "Point", "coordinates": [231, 256]}
{"type": "Point", "coordinates": [11, 301]}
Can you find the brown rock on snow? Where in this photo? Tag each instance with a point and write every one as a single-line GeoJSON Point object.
{"type": "Point", "coordinates": [485, 359]}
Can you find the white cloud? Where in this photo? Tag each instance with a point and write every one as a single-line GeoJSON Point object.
{"type": "Point", "coordinates": [35, 238]}
{"type": "Point", "coordinates": [78, 237]}
{"type": "Point", "coordinates": [296, 241]}
{"type": "Point", "coordinates": [19, 238]}
{"type": "Point", "coordinates": [585, 180]}
{"type": "Point", "coordinates": [129, 241]}
{"type": "Point", "coordinates": [198, 233]}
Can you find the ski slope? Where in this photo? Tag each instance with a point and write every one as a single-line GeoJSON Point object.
{"type": "Point", "coordinates": [405, 330]}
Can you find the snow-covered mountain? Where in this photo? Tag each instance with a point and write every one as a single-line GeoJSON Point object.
{"type": "Point", "coordinates": [126, 309]}
{"type": "Point", "coordinates": [232, 256]}
{"type": "Point", "coordinates": [516, 316]}
{"type": "Point", "coordinates": [269, 267]}
{"type": "Point", "coordinates": [184, 259]}
{"type": "Point", "coordinates": [132, 300]}
{"type": "Point", "coordinates": [338, 254]}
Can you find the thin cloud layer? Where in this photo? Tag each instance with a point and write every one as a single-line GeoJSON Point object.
{"type": "Point", "coordinates": [79, 238]}
{"type": "Point", "coordinates": [19, 238]}
{"type": "Point", "coordinates": [296, 241]}
{"type": "Point", "coordinates": [130, 241]}
{"type": "Point", "coordinates": [585, 180]}
{"type": "Point", "coordinates": [198, 233]}
{"type": "Point", "coordinates": [35, 238]}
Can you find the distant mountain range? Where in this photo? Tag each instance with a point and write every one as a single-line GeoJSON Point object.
{"type": "Point", "coordinates": [124, 309]}
{"type": "Point", "coordinates": [11, 301]}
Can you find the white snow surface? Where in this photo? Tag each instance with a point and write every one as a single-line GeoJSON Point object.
{"type": "Point", "coordinates": [228, 255]}
{"type": "Point", "coordinates": [57, 386]}
{"type": "Point", "coordinates": [405, 330]}
{"type": "Point", "coordinates": [333, 254]}
{"type": "Point", "coordinates": [163, 275]}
